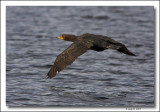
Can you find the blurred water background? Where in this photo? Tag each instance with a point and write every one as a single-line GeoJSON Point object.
{"type": "Point", "coordinates": [97, 79]}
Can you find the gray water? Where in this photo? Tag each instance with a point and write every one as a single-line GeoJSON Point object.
{"type": "Point", "coordinates": [107, 78]}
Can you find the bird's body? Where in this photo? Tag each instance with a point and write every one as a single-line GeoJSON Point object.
{"type": "Point", "coordinates": [80, 45]}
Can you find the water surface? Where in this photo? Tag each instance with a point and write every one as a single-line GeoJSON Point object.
{"type": "Point", "coordinates": [98, 79]}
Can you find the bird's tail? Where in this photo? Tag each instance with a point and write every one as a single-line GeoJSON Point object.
{"type": "Point", "coordinates": [124, 50]}
{"type": "Point", "coordinates": [51, 73]}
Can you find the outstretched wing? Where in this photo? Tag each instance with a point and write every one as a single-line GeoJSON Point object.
{"type": "Point", "coordinates": [119, 47]}
{"type": "Point", "coordinates": [112, 44]}
{"type": "Point", "coordinates": [68, 56]}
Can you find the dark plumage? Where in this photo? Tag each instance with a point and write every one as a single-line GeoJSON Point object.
{"type": "Point", "coordinates": [80, 45]}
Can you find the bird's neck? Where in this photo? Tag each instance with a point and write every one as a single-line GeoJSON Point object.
{"type": "Point", "coordinates": [72, 38]}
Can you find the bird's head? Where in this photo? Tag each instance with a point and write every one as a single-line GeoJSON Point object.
{"type": "Point", "coordinates": [67, 37]}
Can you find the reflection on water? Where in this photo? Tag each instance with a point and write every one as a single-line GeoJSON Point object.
{"type": "Point", "coordinates": [105, 78]}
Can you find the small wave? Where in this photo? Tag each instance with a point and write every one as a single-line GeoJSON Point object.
{"type": "Point", "coordinates": [95, 17]}
{"type": "Point", "coordinates": [100, 97]}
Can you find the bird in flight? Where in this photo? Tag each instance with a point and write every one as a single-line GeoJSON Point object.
{"type": "Point", "coordinates": [80, 45]}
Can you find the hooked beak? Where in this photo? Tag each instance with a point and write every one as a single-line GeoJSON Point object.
{"type": "Point", "coordinates": [60, 37]}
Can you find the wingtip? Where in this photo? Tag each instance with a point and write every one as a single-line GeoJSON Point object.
{"type": "Point", "coordinates": [133, 54]}
{"type": "Point", "coordinates": [48, 76]}
{"type": "Point", "coordinates": [51, 73]}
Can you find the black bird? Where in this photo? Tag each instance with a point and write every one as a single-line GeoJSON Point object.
{"type": "Point", "coordinates": [80, 45]}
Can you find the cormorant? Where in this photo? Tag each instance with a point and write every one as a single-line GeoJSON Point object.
{"type": "Point", "coordinates": [80, 45]}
